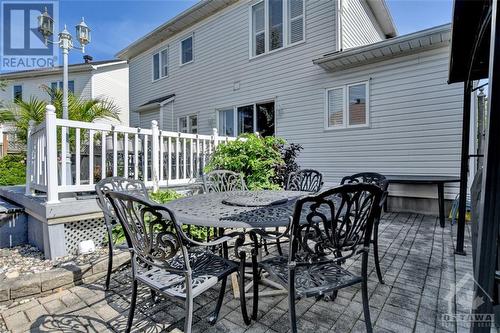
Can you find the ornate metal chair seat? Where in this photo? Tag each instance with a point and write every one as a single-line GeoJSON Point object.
{"type": "Point", "coordinates": [207, 270]}
{"type": "Point", "coordinates": [311, 280]}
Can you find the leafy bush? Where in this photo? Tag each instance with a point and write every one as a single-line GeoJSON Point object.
{"type": "Point", "coordinates": [257, 158]}
{"type": "Point", "coordinates": [164, 196]}
{"type": "Point", "coordinates": [265, 162]}
{"type": "Point", "coordinates": [289, 154]}
{"type": "Point", "coordinates": [12, 170]}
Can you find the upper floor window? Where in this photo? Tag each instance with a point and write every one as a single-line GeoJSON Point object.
{"type": "Point", "coordinates": [17, 92]}
{"type": "Point", "coordinates": [160, 64]}
{"type": "Point", "coordinates": [347, 106]}
{"type": "Point", "coordinates": [188, 124]}
{"type": "Point", "coordinates": [187, 50]}
{"type": "Point", "coordinates": [276, 24]}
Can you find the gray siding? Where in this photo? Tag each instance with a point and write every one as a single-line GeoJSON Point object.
{"type": "Point", "coordinates": [359, 26]}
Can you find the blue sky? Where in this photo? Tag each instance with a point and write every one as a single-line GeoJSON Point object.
{"type": "Point", "coordinates": [115, 24]}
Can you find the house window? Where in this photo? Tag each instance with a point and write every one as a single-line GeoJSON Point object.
{"type": "Point", "coordinates": [59, 85]}
{"type": "Point", "coordinates": [187, 50]}
{"type": "Point", "coordinates": [257, 117]}
{"type": "Point", "coordinates": [188, 124]}
{"type": "Point", "coordinates": [269, 19]}
{"type": "Point", "coordinates": [18, 93]}
{"type": "Point", "coordinates": [160, 64]}
{"type": "Point", "coordinates": [347, 106]}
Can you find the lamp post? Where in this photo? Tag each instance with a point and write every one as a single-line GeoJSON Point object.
{"type": "Point", "coordinates": [65, 42]}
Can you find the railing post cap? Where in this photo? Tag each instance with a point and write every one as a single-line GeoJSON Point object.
{"type": "Point", "coordinates": [31, 123]}
{"type": "Point", "coordinates": [154, 122]}
{"type": "Point", "coordinates": [50, 108]}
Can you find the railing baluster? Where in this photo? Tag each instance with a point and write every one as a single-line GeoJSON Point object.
{"type": "Point", "coordinates": [125, 156]}
{"type": "Point", "coordinates": [145, 171]}
{"type": "Point", "coordinates": [63, 155]}
{"type": "Point", "coordinates": [115, 153]}
{"type": "Point", "coordinates": [103, 155]}
{"type": "Point", "coordinates": [184, 158]}
{"type": "Point", "coordinates": [203, 156]}
{"type": "Point", "coordinates": [136, 156]}
{"type": "Point", "coordinates": [77, 156]}
{"type": "Point", "coordinates": [91, 157]}
{"type": "Point", "coordinates": [191, 167]}
{"type": "Point", "coordinates": [177, 146]}
{"type": "Point", "coordinates": [161, 157]}
{"type": "Point", "coordinates": [169, 158]}
{"type": "Point", "coordinates": [197, 156]}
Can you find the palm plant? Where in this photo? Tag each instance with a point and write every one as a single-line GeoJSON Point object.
{"type": "Point", "coordinates": [80, 109]}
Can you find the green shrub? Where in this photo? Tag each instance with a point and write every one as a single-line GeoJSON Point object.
{"type": "Point", "coordinates": [257, 158]}
{"type": "Point", "coordinates": [164, 196]}
{"type": "Point", "coordinates": [12, 170]}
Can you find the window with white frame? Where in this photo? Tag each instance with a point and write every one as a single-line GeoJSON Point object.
{"type": "Point", "coordinates": [160, 64]}
{"type": "Point", "coordinates": [188, 124]}
{"type": "Point", "coordinates": [186, 50]}
{"type": "Point", "coordinates": [276, 24]}
{"type": "Point", "coordinates": [249, 118]}
{"type": "Point", "coordinates": [347, 106]}
{"type": "Point", "coordinates": [59, 85]}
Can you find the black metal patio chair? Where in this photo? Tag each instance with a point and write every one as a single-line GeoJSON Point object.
{"type": "Point", "coordinates": [222, 181]}
{"type": "Point", "coordinates": [380, 181]}
{"type": "Point", "coordinates": [165, 259]}
{"type": "Point", "coordinates": [116, 184]}
{"type": "Point", "coordinates": [326, 229]}
{"type": "Point", "coordinates": [307, 180]}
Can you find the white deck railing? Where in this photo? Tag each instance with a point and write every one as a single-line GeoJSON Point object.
{"type": "Point", "coordinates": [96, 151]}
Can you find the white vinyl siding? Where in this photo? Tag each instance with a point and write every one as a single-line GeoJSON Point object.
{"type": "Point", "coordinates": [187, 53]}
{"type": "Point", "coordinates": [276, 24]}
{"type": "Point", "coordinates": [359, 26]}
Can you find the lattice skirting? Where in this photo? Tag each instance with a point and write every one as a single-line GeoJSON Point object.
{"type": "Point", "coordinates": [76, 232]}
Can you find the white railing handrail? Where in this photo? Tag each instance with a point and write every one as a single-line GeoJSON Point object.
{"type": "Point", "coordinates": [86, 152]}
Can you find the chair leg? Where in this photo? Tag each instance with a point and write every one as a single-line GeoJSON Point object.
{"type": "Point", "coordinates": [278, 245]}
{"type": "Point", "coordinates": [110, 256]}
{"type": "Point", "coordinates": [213, 318]}
{"type": "Point", "coordinates": [133, 300]}
{"type": "Point", "coordinates": [291, 311]}
{"type": "Point", "coordinates": [364, 293]}
{"type": "Point", "coordinates": [153, 295]}
{"type": "Point", "coordinates": [243, 302]}
{"type": "Point", "coordinates": [375, 254]}
{"type": "Point", "coordinates": [255, 276]}
{"type": "Point", "coordinates": [189, 314]}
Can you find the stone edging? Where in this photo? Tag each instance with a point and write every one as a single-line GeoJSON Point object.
{"type": "Point", "coordinates": [57, 279]}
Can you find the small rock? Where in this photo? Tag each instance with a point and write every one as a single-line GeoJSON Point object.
{"type": "Point", "coordinates": [12, 274]}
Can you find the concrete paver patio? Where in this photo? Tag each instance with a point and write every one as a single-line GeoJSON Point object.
{"type": "Point", "coordinates": [421, 276]}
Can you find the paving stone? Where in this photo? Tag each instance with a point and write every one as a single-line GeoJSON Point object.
{"type": "Point", "coordinates": [54, 306]}
{"type": "Point", "coordinates": [17, 322]}
{"type": "Point", "coordinates": [35, 312]}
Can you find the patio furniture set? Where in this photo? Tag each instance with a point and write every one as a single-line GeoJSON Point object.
{"type": "Point", "coordinates": [321, 229]}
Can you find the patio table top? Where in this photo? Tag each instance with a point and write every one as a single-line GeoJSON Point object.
{"type": "Point", "coordinates": [236, 209]}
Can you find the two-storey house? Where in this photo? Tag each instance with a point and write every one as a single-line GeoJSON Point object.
{"type": "Point", "coordinates": [105, 79]}
{"type": "Point", "coordinates": [330, 75]}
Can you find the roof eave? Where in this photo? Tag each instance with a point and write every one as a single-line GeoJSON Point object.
{"type": "Point", "coordinates": [383, 16]}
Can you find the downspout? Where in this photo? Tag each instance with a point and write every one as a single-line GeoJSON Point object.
{"type": "Point", "coordinates": [339, 26]}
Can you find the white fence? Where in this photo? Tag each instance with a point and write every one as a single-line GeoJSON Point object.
{"type": "Point", "coordinates": [95, 151]}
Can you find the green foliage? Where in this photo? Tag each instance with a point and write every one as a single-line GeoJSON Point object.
{"type": "Point", "coordinates": [79, 109]}
{"type": "Point", "coordinates": [12, 170]}
{"type": "Point", "coordinates": [164, 196]}
{"type": "Point", "coordinates": [5, 115]}
{"type": "Point", "coordinates": [257, 158]}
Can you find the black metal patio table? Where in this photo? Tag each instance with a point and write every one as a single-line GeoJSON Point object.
{"type": "Point", "coordinates": [249, 210]}
{"type": "Point", "coordinates": [439, 181]}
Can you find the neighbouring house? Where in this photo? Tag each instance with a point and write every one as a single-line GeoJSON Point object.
{"type": "Point", "coordinates": [330, 75]}
{"type": "Point", "coordinates": [91, 79]}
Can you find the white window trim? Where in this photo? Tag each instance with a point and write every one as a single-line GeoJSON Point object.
{"type": "Point", "coordinates": [191, 35]}
{"type": "Point", "coordinates": [345, 114]}
{"type": "Point", "coordinates": [160, 65]}
{"type": "Point", "coordinates": [286, 22]}
{"type": "Point", "coordinates": [235, 114]}
{"type": "Point", "coordinates": [187, 122]}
